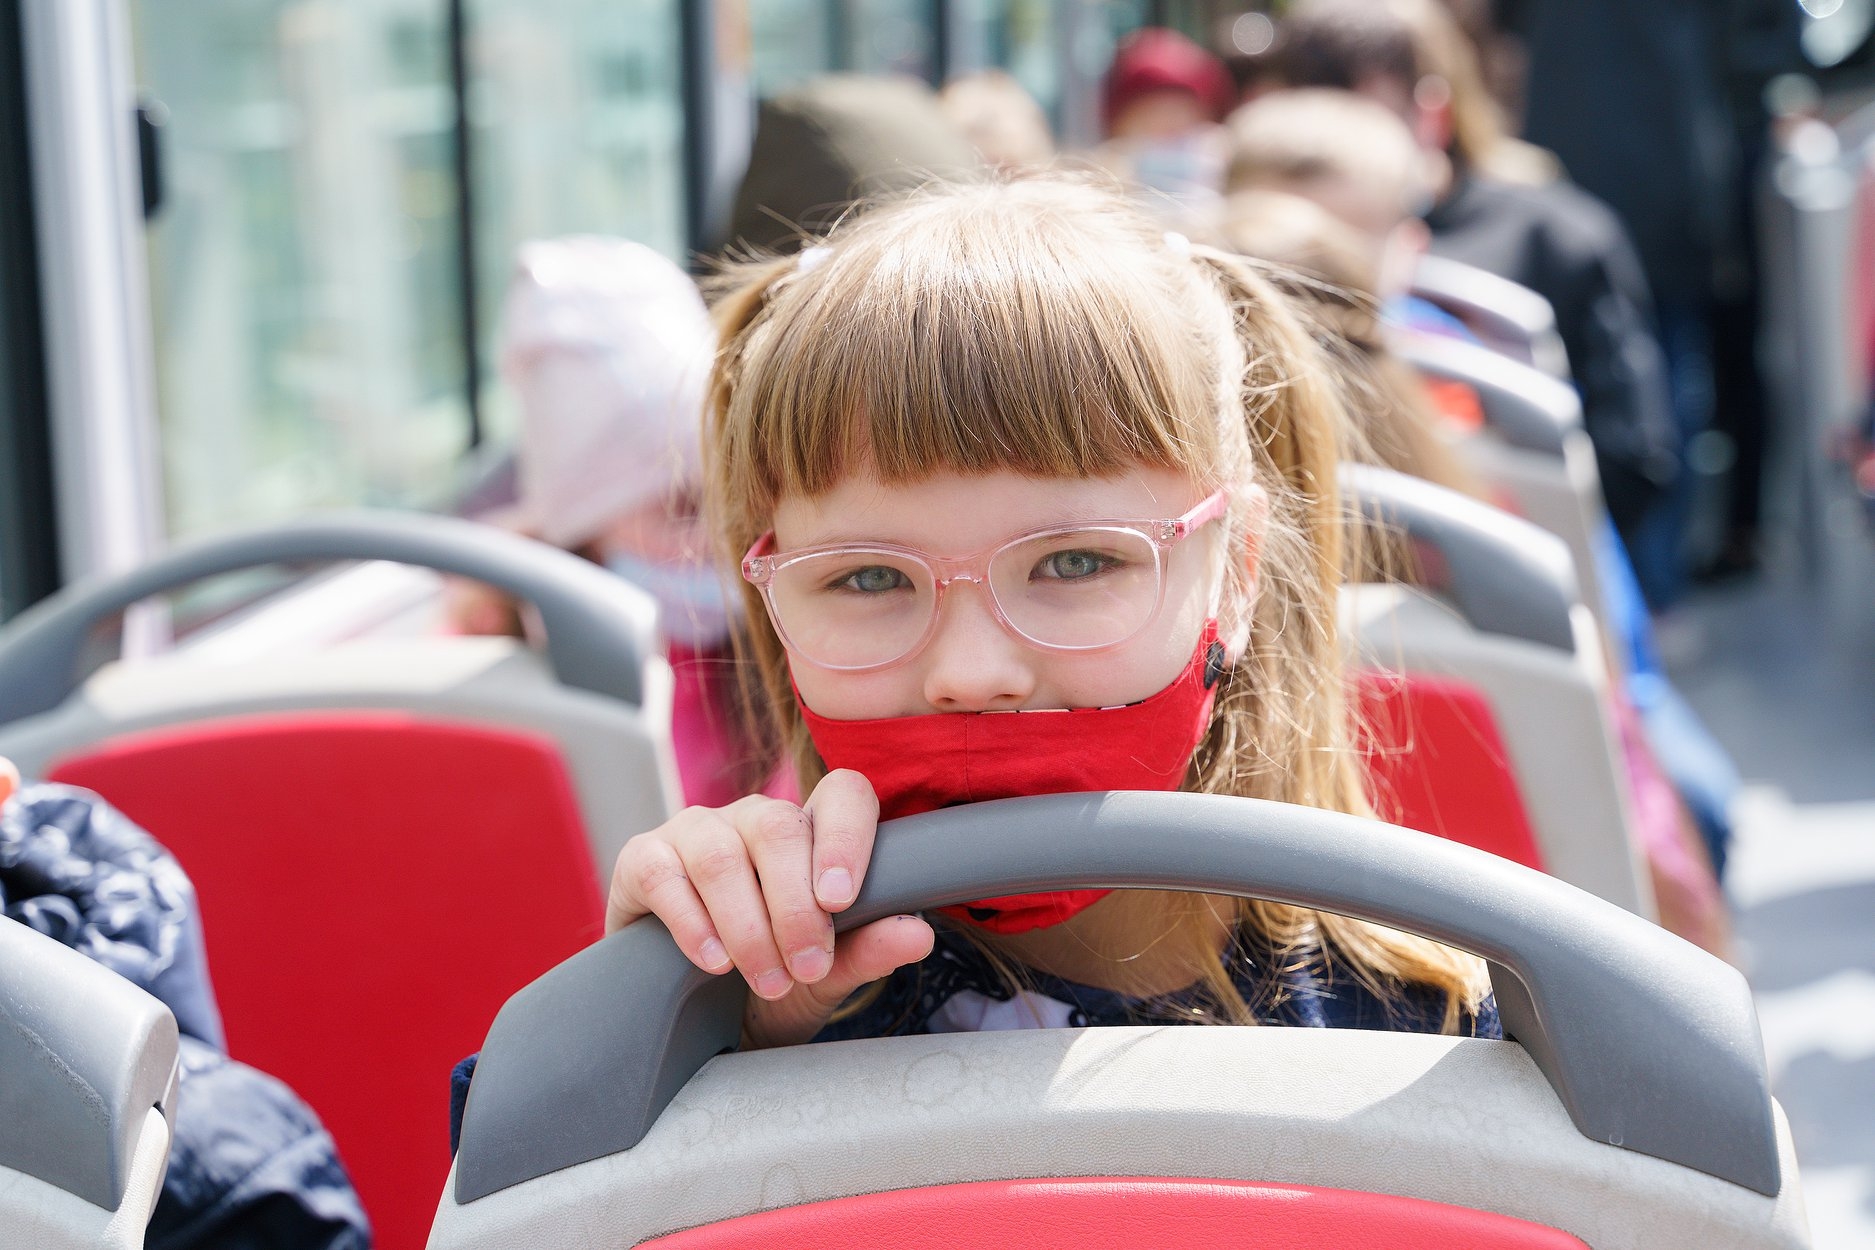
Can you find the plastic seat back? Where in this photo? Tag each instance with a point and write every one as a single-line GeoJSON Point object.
{"type": "Point", "coordinates": [1483, 692]}
{"type": "Point", "coordinates": [1507, 316]}
{"type": "Point", "coordinates": [1632, 1112]}
{"type": "Point", "coordinates": [1533, 449]}
{"type": "Point", "coordinates": [387, 838]}
{"type": "Point", "coordinates": [88, 1070]}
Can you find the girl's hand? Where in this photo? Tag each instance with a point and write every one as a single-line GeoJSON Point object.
{"type": "Point", "coordinates": [755, 886]}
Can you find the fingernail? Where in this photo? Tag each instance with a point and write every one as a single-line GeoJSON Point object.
{"type": "Point", "coordinates": [810, 963]}
{"type": "Point", "coordinates": [836, 886]}
{"type": "Point", "coordinates": [714, 957]}
{"type": "Point", "coordinates": [773, 983]}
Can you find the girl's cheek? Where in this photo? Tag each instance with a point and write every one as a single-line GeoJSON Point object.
{"type": "Point", "coordinates": [857, 696]}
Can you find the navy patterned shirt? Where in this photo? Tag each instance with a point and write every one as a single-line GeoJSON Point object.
{"type": "Point", "coordinates": [956, 989]}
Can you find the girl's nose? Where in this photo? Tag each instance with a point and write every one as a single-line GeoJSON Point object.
{"type": "Point", "coordinates": [972, 664]}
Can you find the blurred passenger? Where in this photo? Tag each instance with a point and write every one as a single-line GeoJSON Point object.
{"type": "Point", "coordinates": [1332, 270]}
{"type": "Point", "coordinates": [1658, 109]}
{"type": "Point", "coordinates": [250, 1166]}
{"type": "Point", "coordinates": [835, 140]}
{"type": "Point", "coordinates": [1503, 62]}
{"type": "Point", "coordinates": [1355, 159]}
{"type": "Point", "coordinates": [1552, 238]}
{"type": "Point", "coordinates": [1000, 119]}
{"type": "Point", "coordinates": [1161, 106]}
{"type": "Point", "coordinates": [608, 348]}
{"type": "Point", "coordinates": [1392, 409]}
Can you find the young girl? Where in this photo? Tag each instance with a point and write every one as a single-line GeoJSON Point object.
{"type": "Point", "coordinates": [995, 452]}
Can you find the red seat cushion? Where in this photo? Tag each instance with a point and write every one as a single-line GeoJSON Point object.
{"type": "Point", "coordinates": [1437, 763]}
{"type": "Point", "coordinates": [373, 885]}
{"type": "Point", "coordinates": [1099, 1213]}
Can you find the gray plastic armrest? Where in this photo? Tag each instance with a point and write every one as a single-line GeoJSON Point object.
{"type": "Point", "coordinates": [84, 1055]}
{"type": "Point", "coordinates": [597, 626]}
{"type": "Point", "coordinates": [1650, 1043]}
{"type": "Point", "coordinates": [1525, 407]}
{"type": "Point", "coordinates": [1504, 575]}
{"type": "Point", "coordinates": [1501, 309]}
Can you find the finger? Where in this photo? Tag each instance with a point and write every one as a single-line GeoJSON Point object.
{"type": "Point", "coordinates": [625, 898]}
{"type": "Point", "coordinates": [844, 813]}
{"type": "Point", "coordinates": [9, 779]}
{"type": "Point", "coordinates": [860, 958]}
{"type": "Point", "coordinates": [654, 875]}
{"type": "Point", "coordinates": [781, 842]}
{"type": "Point", "coordinates": [720, 870]}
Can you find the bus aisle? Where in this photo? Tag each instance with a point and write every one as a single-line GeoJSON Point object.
{"type": "Point", "coordinates": [1784, 673]}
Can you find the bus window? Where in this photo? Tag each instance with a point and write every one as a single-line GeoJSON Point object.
{"type": "Point", "coordinates": [791, 40]}
{"type": "Point", "coordinates": [889, 37]}
{"type": "Point", "coordinates": [576, 111]}
{"type": "Point", "coordinates": [1020, 36]}
{"type": "Point", "coordinates": [303, 271]}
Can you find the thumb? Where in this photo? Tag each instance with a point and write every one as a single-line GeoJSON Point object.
{"type": "Point", "coordinates": [859, 958]}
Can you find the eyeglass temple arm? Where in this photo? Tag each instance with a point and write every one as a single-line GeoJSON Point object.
{"type": "Point", "coordinates": [1208, 509]}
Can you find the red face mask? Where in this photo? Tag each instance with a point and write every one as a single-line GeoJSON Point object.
{"type": "Point", "coordinates": [922, 763]}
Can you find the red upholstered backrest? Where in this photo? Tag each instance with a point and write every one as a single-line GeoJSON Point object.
{"type": "Point", "coordinates": [1126, 1213]}
{"type": "Point", "coordinates": [373, 886]}
{"type": "Point", "coordinates": [1437, 763]}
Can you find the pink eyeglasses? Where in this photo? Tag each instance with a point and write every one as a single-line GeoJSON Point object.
{"type": "Point", "coordinates": [864, 606]}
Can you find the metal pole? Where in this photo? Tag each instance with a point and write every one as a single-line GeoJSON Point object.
{"type": "Point", "coordinates": [469, 318]}
{"type": "Point", "coordinates": [94, 303]}
{"type": "Point", "coordinates": [697, 38]}
{"type": "Point", "coordinates": [29, 529]}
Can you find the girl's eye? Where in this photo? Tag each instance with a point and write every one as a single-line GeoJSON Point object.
{"type": "Point", "coordinates": [874, 579]}
{"type": "Point", "coordinates": [1072, 566]}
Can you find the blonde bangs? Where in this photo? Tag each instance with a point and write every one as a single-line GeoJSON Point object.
{"type": "Point", "coordinates": [1000, 341]}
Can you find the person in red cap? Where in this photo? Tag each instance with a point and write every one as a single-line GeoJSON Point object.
{"type": "Point", "coordinates": [1161, 106]}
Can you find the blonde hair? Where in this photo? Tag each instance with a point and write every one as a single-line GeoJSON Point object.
{"type": "Point", "coordinates": [1481, 137]}
{"type": "Point", "coordinates": [1044, 327]}
{"type": "Point", "coordinates": [1322, 265]}
{"type": "Point", "coordinates": [999, 118]}
{"type": "Point", "coordinates": [1320, 134]}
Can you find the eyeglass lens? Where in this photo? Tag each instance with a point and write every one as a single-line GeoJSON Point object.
{"type": "Point", "coordinates": [1082, 588]}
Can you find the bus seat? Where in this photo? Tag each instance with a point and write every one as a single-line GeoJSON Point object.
{"type": "Point", "coordinates": [1436, 762]}
{"type": "Point", "coordinates": [1483, 692]}
{"type": "Point", "coordinates": [1533, 448]}
{"type": "Point", "coordinates": [1632, 1111]}
{"type": "Point", "coordinates": [88, 1071]}
{"type": "Point", "coordinates": [387, 837]}
{"type": "Point", "coordinates": [1507, 316]}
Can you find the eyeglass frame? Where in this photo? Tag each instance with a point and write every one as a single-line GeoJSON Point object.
{"type": "Point", "coordinates": [761, 563]}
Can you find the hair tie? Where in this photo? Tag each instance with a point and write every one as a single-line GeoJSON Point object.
{"type": "Point", "coordinates": [813, 258]}
{"type": "Point", "coordinates": [1178, 244]}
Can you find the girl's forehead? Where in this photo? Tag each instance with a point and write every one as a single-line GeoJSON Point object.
{"type": "Point", "coordinates": [951, 513]}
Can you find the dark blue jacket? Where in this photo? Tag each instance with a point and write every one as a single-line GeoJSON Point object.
{"type": "Point", "coordinates": [250, 1167]}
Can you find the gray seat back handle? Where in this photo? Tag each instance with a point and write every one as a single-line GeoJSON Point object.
{"type": "Point", "coordinates": [1650, 1043]}
{"type": "Point", "coordinates": [1504, 575]}
{"type": "Point", "coordinates": [1524, 406]}
{"type": "Point", "coordinates": [1509, 314]}
{"type": "Point", "coordinates": [84, 1056]}
{"type": "Point", "coordinates": [594, 621]}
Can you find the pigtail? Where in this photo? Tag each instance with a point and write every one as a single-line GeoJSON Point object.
{"type": "Point", "coordinates": [1282, 728]}
{"type": "Point", "coordinates": [740, 296]}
